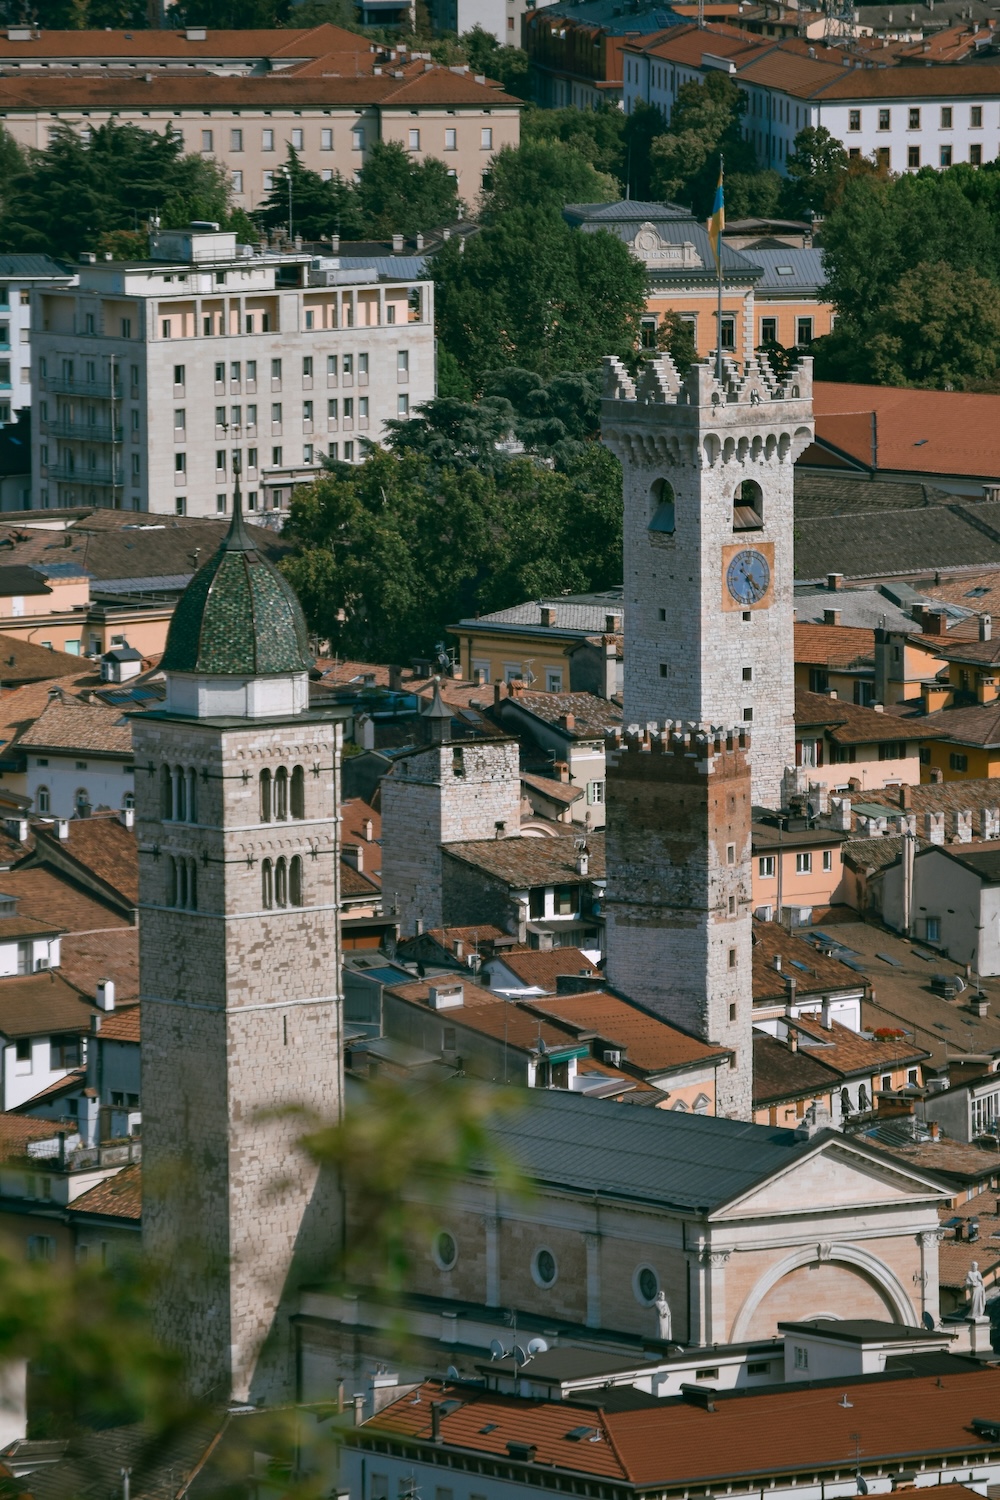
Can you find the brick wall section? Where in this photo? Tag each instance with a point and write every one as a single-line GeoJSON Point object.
{"type": "Point", "coordinates": [240, 1014]}
{"type": "Point", "coordinates": [677, 905]}
{"type": "Point", "coordinates": [446, 794]}
{"type": "Point", "coordinates": [704, 440]}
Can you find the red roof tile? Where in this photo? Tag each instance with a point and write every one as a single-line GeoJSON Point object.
{"type": "Point", "coordinates": [119, 1197]}
{"type": "Point", "coordinates": [935, 432]}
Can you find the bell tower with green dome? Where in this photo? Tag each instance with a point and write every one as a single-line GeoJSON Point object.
{"type": "Point", "coordinates": [237, 822]}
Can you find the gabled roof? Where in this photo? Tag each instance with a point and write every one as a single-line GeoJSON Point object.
{"type": "Point", "coordinates": [781, 1074]}
{"type": "Point", "coordinates": [40, 1004]}
{"type": "Point", "coordinates": [927, 432]}
{"type": "Point", "coordinates": [834, 646]}
{"type": "Point", "coordinates": [492, 1016]}
{"type": "Point", "coordinates": [851, 724]}
{"type": "Point", "coordinates": [979, 725]}
{"type": "Point", "coordinates": [523, 862]}
{"type": "Point", "coordinates": [814, 972]}
{"type": "Point", "coordinates": [23, 661]}
{"type": "Point", "coordinates": [87, 957]}
{"type": "Point", "coordinates": [100, 846]}
{"type": "Point", "coordinates": [67, 724]}
{"type": "Point", "coordinates": [651, 1044]}
{"type": "Point", "coordinates": [590, 716]}
{"type": "Point", "coordinates": [117, 1197]}
{"type": "Point", "coordinates": [538, 968]}
{"type": "Point", "coordinates": [18, 1132]}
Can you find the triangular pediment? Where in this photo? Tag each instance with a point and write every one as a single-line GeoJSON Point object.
{"type": "Point", "coordinates": [836, 1175]}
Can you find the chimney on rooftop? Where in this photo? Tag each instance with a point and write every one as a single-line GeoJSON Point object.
{"type": "Point", "coordinates": [548, 615]}
{"type": "Point", "coordinates": [105, 994]}
{"type": "Point", "coordinates": [905, 797]}
{"type": "Point", "coordinates": [835, 581]}
{"type": "Point", "coordinates": [128, 817]}
{"type": "Point", "coordinates": [62, 828]}
{"type": "Point", "coordinates": [985, 627]}
{"type": "Point", "coordinates": [831, 617]}
{"type": "Point", "coordinates": [335, 244]}
{"type": "Point", "coordinates": [397, 244]}
{"type": "Point", "coordinates": [419, 242]}
{"type": "Point", "coordinates": [568, 721]}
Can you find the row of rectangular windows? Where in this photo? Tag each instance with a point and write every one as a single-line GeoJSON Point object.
{"type": "Point", "coordinates": [913, 118]}
{"type": "Point", "coordinates": [297, 139]}
{"type": "Point", "coordinates": [766, 864]}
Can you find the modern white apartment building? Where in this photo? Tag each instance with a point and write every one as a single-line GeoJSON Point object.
{"type": "Point", "coordinates": [19, 275]}
{"type": "Point", "coordinates": [908, 117]}
{"type": "Point", "coordinates": [152, 376]}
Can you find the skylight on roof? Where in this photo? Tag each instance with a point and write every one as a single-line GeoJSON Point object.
{"type": "Point", "coordinates": [784, 270]}
{"type": "Point", "coordinates": [976, 593]}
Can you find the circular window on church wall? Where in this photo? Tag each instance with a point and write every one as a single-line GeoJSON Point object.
{"type": "Point", "coordinates": [544, 1268]}
{"type": "Point", "coordinates": [645, 1284]}
{"type": "Point", "coordinates": [445, 1250]}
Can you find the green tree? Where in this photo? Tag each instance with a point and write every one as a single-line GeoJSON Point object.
{"type": "Point", "coordinates": [454, 433]}
{"type": "Point", "coordinates": [397, 195]}
{"type": "Point", "coordinates": [541, 174]}
{"type": "Point", "coordinates": [232, 15]}
{"type": "Point", "coordinates": [940, 327]}
{"type": "Point", "coordinates": [318, 208]}
{"type": "Point", "coordinates": [675, 336]}
{"type": "Point", "coordinates": [598, 135]}
{"type": "Point", "coordinates": [531, 292]}
{"type": "Point", "coordinates": [641, 128]}
{"type": "Point", "coordinates": [706, 122]}
{"type": "Point", "coordinates": [77, 192]}
{"type": "Point", "coordinates": [816, 171]}
{"type": "Point", "coordinates": [754, 195]}
{"type": "Point", "coordinates": [508, 65]}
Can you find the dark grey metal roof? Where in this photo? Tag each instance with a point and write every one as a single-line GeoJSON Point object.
{"type": "Point", "coordinates": [695, 1162]}
{"type": "Point", "coordinates": [27, 267]}
{"type": "Point", "coordinates": [785, 269]}
{"type": "Point", "coordinates": [672, 223]}
{"type": "Point", "coordinates": [630, 210]}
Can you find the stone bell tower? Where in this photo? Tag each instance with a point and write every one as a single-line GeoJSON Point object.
{"type": "Point", "coordinates": [708, 474]}
{"type": "Point", "coordinates": [236, 817]}
{"type": "Point", "coordinates": [707, 469]}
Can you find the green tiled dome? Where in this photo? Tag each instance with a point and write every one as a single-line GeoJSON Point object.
{"type": "Point", "coordinates": [237, 617]}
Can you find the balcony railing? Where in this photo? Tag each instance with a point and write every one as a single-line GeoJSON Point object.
{"type": "Point", "coordinates": [68, 386]}
{"type": "Point", "coordinates": [90, 432]}
{"type": "Point", "coordinates": [103, 476]}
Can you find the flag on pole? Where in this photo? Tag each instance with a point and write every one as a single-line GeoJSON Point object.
{"type": "Point", "coordinates": [717, 222]}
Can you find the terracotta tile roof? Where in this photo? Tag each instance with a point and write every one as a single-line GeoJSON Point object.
{"type": "Point", "coordinates": [975, 80]}
{"type": "Point", "coordinates": [950, 1160]}
{"type": "Point", "coordinates": [101, 845]}
{"type": "Point", "coordinates": [978, 725]}
{"type": "Point", "coordinates": [354, 813]}
{"type": "Point", "coordinates": [848, 1053]}
{"type": "Point", "coordinates": [592, 716]}
{"type": "Point", "coordinates": [522, 862]}
{"type": "Point", "coordinates": [955, 1257]}
{"type": "Point", "coordinates": [67, 1085]}
{"type": "Point", "coordinates": [650, 1044]}
{"type": "Point", "coordinates": [118, 1197]}
{"type": "Point", "coordinates": [22, 661]}
{"type": "Point", "coordinates": [470, 936]}
{"type": "Point", "coordinates": [36, 1004]}
{"type": "Point", "coordinates": [20, 707]}
{"type": "Point", "coordinates": [941, 796]}
{"type": "Point", "coordinates": [488, 1013]}
{"type": "Point", "coordinates": [779, 1073]}
{"type": "Point", "coordinates": [251, 44]}
{"type": "Point", "coordinates": [870, 855]}
{"type": "Point", "coordinates": [18, 926]}
{"type": "Point", "coordinates": [438, 86]}
{"type": "Point", "coordinates": [814, 972]}
{"type": "Point", "coordinates": [46, 896]}
{"type": "Point", "coordinates": [978, 591]}
{"type": "Point", "coordinates": [356, 883]}
{"type": "Point", "coordinates": [928, 432]}
{"type": "Point", "coordinates": [548, 786]}
{"type": "Point", "coordinates": [745, 1435]}
{"type": "Point", "coordinates": [833, 645]}
{"type": "Point", "coordinates": [66, 723]}
{"type": "Point", "coordinates": [849, 723]}
{"type": "Point", "coordinates": [121, 1024]}
{"type": "Point", "coordinates": [18, 1131]}
{"type": "Point", "coordinates": [537, 968]}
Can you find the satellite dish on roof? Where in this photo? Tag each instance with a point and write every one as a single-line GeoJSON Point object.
{"type": "Point", "coordinates": [451, 1373]}
{"type": "Point", "coordinates": [929, 1321]}
{"type": "Point", "coordinates": [520, 1358]}
{"type": "Point", "coordinates": [497, 1350]}
{"type": "Point", "coordinates": [538, 1346]}
{"type": "Point", "coordinates": [862, 1487]}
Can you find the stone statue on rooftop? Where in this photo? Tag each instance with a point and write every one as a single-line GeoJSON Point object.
{"type": "Point", "coordinates": [663, 1314]}
{"type": "Point", "coordinates": [977, 1292]}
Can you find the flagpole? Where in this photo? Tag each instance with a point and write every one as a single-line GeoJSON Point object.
{"type": "Point", "coordinates": [718, 260]}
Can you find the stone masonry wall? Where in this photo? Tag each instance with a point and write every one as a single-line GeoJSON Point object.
{"type": "Point", "coordinates": [677, 906]}
{"type": "Point", "coordinates": [241, 1016]}
{"type": "Point", "coordinates": [445, 794]}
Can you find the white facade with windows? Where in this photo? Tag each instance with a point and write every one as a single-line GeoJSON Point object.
{"type": "Point", "coordinates": [19, 276]}
{"type": "Point", "coordinates": [73, 783]}
{"type": "Point", "coordinates": [155, 379]}
{"type": "Point", "coordinates": [906, 117]}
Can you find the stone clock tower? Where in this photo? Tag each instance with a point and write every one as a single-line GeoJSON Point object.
{"type": "Point", "coordinates": [236, 817]}
{"type": "Point", "coordinates": [709, 685]}
{"type": "Point", "coordinates": [708, 471]}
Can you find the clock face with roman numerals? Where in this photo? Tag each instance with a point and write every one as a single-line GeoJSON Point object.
{"type": "Point", "coordinates": [748, 576]}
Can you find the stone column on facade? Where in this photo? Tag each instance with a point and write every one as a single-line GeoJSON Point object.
{"type": "Point", "coordinates": [714, 1329]}
{"type": "Point", "coordinates": [927, 1278]}
{"type": "Point", "coordinates": [491, 1227]}
{"type": "Point", "coordinates": [593, 1244]}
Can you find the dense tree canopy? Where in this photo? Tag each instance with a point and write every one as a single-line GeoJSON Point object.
{"type": "Point", "coordinates": [706, 122]}
{"type": "Point", "coordinates": [397, 195]}
{"type": "Point", "coordinates": [317, 208]}
{"type": "Point", "coordinates": [390, 551]}
{"type": "Point", "coordinates": [531, 292]}
{"type": "Point", "coordinates": [85, 194]}
{"type": "Point", "coordinates": [542, 174]}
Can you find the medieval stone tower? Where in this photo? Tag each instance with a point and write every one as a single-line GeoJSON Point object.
{"type": "Point", "coordinates": [445, 794]}
{"type": "Point", "coordinates": [236, 788]}
{"type": "Point", "coordinates": [708, 473]}
{"type": "Point", "coordinates": [678, 897]}
{"type": "Point", "coordinates": [709, 684]}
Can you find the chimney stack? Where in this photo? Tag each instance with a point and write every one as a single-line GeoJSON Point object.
{"type": "Point", "coordinates": [105, 994]}
{"type": "Point", "coordinates": [835, 581]}
{"type": "Point", "coordinates": [985, 627]}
